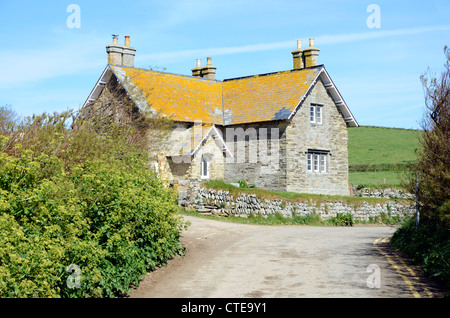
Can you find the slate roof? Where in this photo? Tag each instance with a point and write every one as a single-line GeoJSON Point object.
{"type": "Point", "coordinates": [258, 98]}
{"type": "Point", "coordinates": [266, 97]}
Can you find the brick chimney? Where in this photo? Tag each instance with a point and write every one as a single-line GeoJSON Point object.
{"type": "Point", "coordinates": [121, 55]}
{"type": "Point", "coordinates": [197, 71]}
{"type": "Point", "coordinates": [298, 56]}
{"type": "Point", "coordinates": [128, 53]}
{"type": "Point", "coordinates": [208, 71]}
{"type": "Point", "coordinates": [114, 52]}
{"type": "Point", "coordinates": [311, 54]}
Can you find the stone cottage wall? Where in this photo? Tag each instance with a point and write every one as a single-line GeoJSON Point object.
{"type": "Point", "coordinates": [330, 135]}
{"type": "Point", "coordinates": [259, 155]}
{"type": "Point", "coordinates": [188, 167]}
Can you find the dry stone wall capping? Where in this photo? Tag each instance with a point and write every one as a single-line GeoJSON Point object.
{"type": "Point", "coordinates": [206, 200]}
{"type": "Point", "coordinates": [387, 193]}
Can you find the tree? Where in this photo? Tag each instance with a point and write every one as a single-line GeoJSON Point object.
{"type": "Point", "coordinates": [433, 165]}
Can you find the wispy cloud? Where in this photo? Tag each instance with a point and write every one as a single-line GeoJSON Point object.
{"type": "Point", "coordinates": [322, 40]}
{"type": "Point", "coordinates": [352, 37]}
{"type": "Point", "coordinates": [19, 68]}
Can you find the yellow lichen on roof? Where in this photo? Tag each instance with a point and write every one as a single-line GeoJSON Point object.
{"type": "Point", "coordinates": [267, 97]}
{"type": "Point", "coordinates": [250, 99]}
{"type": "Point", "coordinates": [182, 98]}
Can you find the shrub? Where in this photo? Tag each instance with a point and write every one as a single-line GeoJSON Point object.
{"type": "Point", "coordinates": [342, 219]}
{"type": "Point", "coordinates": [428, 246]}
{"type": "Point", "coordinates": [76, 196]}
{"type": "Point", "coordinates": [433, 164]}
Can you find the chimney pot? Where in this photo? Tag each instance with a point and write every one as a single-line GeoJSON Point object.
{"type": "Point", "coordinates": [209, 71]}
{"type": "Point", "coordinates": [121, 55]}
{"type": "Point", "coordinates": [311, 54]}
{"type": "Point", "coordinates": [197, 71]}
{"type": "Point", "coordinates": [297, 55]}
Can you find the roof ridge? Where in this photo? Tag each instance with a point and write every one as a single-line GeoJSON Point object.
{"type": "Point", "coordinates": [216, 80]}
{"type": "Point", "coordinates": [163, 72]}
{"type": "Point", "coordinates": [277, 72]}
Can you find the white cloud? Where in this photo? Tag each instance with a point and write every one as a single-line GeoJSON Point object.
{"type": "Point", "coordinates": [322, 40]}
{"type": "Point", "coordinates": [19, 68]}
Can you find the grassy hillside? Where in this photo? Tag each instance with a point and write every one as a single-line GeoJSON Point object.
{"type": "Point", "coordinates": [378, 155]}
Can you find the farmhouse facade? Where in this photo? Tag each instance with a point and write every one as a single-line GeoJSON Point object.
{"type": "Point", "coordinates": [284, 131]}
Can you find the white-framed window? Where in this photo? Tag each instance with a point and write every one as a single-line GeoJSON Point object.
{"type": "Point", "coordinates": [316, 161]}
{"type": "Point", "coordinates": [315, 113]}
{"type": "Point", "coordinates": [323, 163]}
{"type": "Point", "coordinates": [312, 113]}
{"type": "Point", "coordinates": [204, 167]}
{"type": "Point", "coordinates": [309, 161]}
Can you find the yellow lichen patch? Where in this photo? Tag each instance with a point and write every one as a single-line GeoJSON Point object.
{"type": "Point", "coordinates": [244, 100]}
{"type": "Point", "coordinates": [182, 98]}
{"type": "Point", "coordinates": [268, 97]}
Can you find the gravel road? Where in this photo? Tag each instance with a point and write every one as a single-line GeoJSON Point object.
{"type": "Point", "coordinates": [229, 260]}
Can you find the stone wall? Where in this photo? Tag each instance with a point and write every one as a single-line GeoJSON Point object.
{"type": "Point", "coordinates": [387, 193]}
{"type": "Point", "coordinates": [288, 171]}
{"type": "Point", "coordinates": [188, 167]}
{"type": "Point", "coordinates": [221, 202]}
{"type": "Point", "coordinates": [330, 136]}
{"type": "Point", "coordinates": [259, 155]}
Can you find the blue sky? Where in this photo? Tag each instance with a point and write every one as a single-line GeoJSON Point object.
{"type": "Point", "coordinates": [47, 66]}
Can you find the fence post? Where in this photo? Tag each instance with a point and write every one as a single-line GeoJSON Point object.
{"type": "Point", "coordinates": [417, 201]}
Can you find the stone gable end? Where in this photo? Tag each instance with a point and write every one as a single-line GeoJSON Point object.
{"type": "Point", "coordinates": [330, 136]}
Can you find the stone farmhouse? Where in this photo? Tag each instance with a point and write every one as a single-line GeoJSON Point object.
{"type": "Point", "coordinates": [284, 131]}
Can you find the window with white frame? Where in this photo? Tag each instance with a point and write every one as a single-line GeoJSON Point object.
{"type": "Point", "coordinates": [204, 167]}
{"type": "Point", "coordinates": [323, 163]}
{"type": "Point", "coordinates": [309, 161]}
{"type": "Point", "coordinates": [316, 161]}
{"type": "Point", "coordinates": [315, 113]}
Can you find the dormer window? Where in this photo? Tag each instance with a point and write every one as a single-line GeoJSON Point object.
{"type": "Point", "coordinates": [315, 113]}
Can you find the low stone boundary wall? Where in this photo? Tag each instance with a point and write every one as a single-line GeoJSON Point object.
{"type": "Point", "coordinates": [387, 193]}
{"type": "Point", "coordinates": [221, 202]}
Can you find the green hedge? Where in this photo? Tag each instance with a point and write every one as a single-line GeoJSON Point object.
{"type": "Point", "coordinates": [108, 214]}
{"type": "Point", "coordinates": [428, 245]}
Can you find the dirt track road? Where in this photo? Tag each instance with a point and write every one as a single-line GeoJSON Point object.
{"type": "Point", "coordinates": [227, 260]}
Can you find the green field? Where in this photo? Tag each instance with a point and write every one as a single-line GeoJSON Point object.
{"type": "Point", "coordinates": [379, 155]}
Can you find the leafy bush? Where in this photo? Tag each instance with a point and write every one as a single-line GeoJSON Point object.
{"type": "Point", "coordinates": [76, 196]}
{"type": "Point", "coordinates": [342, 219]}
{"type": "Point", "coordinates": [433, 158]}
{"type": "Point", "coordinates": [428, 246]}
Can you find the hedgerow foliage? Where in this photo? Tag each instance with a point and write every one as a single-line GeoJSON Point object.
{"type": "Point", "coordinates": [433, 165]}
{"type": "Point", "coordinates": [428, 241]}
{"type": "Point", "coordinates": [83, 196]}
